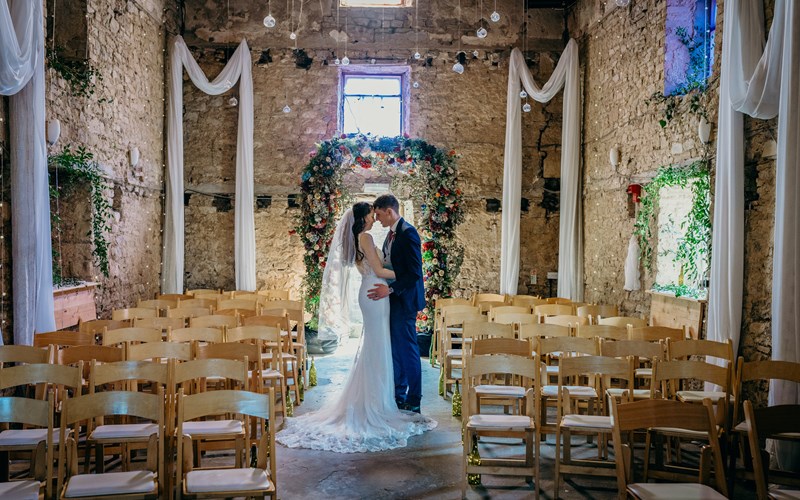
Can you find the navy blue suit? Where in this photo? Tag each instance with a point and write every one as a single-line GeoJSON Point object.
{"type": "Point", "coordinates": [406, 299]}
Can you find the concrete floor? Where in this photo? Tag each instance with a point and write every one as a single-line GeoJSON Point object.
{"type": "Point", "coordinates": [430, 467]}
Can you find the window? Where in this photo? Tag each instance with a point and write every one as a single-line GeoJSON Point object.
{"type": "Point", "coordinates": [373, 103]}
{"type": "Point", "coordinates": [674, 204]}
{"type": "Point", "coordinates": [689, 47]}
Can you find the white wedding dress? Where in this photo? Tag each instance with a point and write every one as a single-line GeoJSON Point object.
{"type": "Point", "coordinates": [364, 416]}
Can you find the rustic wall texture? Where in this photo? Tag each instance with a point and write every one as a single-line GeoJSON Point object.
{"type": "Point", "coordinates": [622, 62]}
{"type": "Point", "coordinates": [464, 112]}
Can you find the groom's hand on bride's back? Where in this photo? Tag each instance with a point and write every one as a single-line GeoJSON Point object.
{"type": "Point", "coordinates": [380, 291]}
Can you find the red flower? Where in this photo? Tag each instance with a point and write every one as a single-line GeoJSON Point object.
{"type": "Point", "coordinates": [292, 231]}
{"type": "Point", "coordinates": [405, 134]}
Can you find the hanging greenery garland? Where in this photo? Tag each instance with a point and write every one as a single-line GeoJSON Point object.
{"type": "Point", "coordinates": [695, 245]}
{"type": "Point", "coordinates": [426, 174]}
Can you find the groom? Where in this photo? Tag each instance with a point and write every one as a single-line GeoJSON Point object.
{"type": "Point", "coordinates": [402, 253]}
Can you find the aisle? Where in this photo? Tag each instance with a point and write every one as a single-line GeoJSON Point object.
{"type": "Point", "coordinates": [428, 468]}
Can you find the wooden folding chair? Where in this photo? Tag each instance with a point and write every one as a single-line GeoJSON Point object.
{"type": "Point", "coordinates": [550, 309]}
{"type": "Point", "coordinates": [606, 332]}
{"type": "Point", "coordinates": [133, 312]}
{"type": "Point", "coordinates": [29, 412]}
{"type": "Point", "coordinates": [622, 321]}
{"type": "Point", "coordinates": [781, 422]}
{"type": "Point", "coordinates": [62, 338]}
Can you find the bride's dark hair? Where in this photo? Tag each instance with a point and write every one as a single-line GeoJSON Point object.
{"type": "Point", "coordinates": [360, 212]}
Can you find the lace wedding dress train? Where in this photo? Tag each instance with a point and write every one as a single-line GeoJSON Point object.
{"type": "Point", "coordinates": [363, 416]}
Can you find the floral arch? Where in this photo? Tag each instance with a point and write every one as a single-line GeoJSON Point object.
{"type": "Point", "coordinates": [419, 171]}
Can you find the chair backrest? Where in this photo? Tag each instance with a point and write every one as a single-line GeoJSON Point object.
{"type": "Point", "coordinates": [162, 324]}
{"type": "Point", "coordinates": [289, 305]}
{"type": "Point", "coordinates": [570, 367]}
{"type": "Point", "coordinates": [133, 312]}
{"type": "Point", "coordinates": [488, 305]}
{"type": "Point", "coordinates": [535, 330]}
{"type": "Point", "coordinates": [33, 374]}
{"type": "Point", "coordinates": [188, 312]}
{"type": "Point", "coordinates": [622, 321]}
{"type": "Point", "coordinates": [274, 294]}
{"type": "Point", "coordinates": [527, 300]}
{"type": "Point", "coordinates": [173, 296]}
{"type": "Point", "coordinates": [160, 350]}
{"type": "Point", "coordinates": [97, 326]}
{"type": "Point", "coordinates": [501, 345]}
{"type": "Point", "coordinates": [669, 374]}
{"type": "Point", "coordinates": [452, 301]}
{"type": "Point", "coordinates": [559, 300]}
{"type": "Point", "coordinates": [766, 423]}
{"type": "Point", "coordinates": [87, 353]}
{"type": "Point", "coordinates": [198, 302]}
{"type": "Point", "coordinates": [569, 320]}
{"type": "Point", "coordinates": [602, 331]}
{"type": "Point", "coordinates": [246, 304]}
{"type": "Point", "coordinates": [281, 321]}
{"type": "Point", "coordinates": [39, 413]}
{"type": "Point", "coordinates": [229, 350]}
{"type": "Point", "coordinates": [458, 318]}
{"type": "Point", "coordinates": [636, 348]}
{"type": "Point", "coordinates": [655, 333]}
{"type": "Point", "coordinates": [597, 310]}
{"type": "Point", "coordinates": [201, 291]}
{"type": "Point", "coordinates": [660, 413]}
{"type": "Point", "coordinates": [514, 318]}
{"type": "Point", "coordinates": [254, 332]}
{"type": "Point", "coordinates": [479, 328]}
{"type": "Point", "coordinates": [158, 304]}
{"type": "Point", "coordinates": [239, 314]}
{"type": "Point", "coordinates": [127, 371]}
{"type": "Point", "coordinates": [188, 375]}
{"type": "Point", "coordinates": [552, 310]}
{"type": "Point", "coordinates": [63, 338]}
{"type": "Point", "coordinates": [487, 297]}
{"type": "Point", "coordinates": [197, 333]}
{"type": "Point", "coordinates": [24, 354]}
{"type": "Point", "coordinates": [132, 334]}
{"type": "Point", "coordinates": [568, 345]}
{"type": "Point", "coordinates": [504, 308]}
{"type": "Point", "coordinates": [760, 370]}
{"type": "Point", "coordinates": [505, 364]}
{"type": "Point", "coordinates": [683, 349]}
{"type": "Point", "coordinates": [215, 321]}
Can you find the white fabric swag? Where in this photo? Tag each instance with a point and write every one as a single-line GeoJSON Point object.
{"type": "Point", "coordinates": [570, 239]}
{"type": "Point", "coordinates": [238, 68]}
{"type": "Point", "coordinates": [761, 81]}
{"type": "Point", "coordinates": [22, 78]}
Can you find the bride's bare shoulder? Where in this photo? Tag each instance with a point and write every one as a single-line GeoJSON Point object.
{"type": "Point", "coordinates": [365, 237]}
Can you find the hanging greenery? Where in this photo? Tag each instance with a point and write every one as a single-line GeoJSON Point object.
{"type": "Point", "coordinates": [75, 168]}
{"type": "Point", "coordinates": [423, 172]}
{"type": "Point", "coordinates": [695, 244]}
{"type": "Point", "coordinates": [79, 74]}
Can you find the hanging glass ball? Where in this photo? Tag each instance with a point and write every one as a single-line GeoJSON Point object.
{"type": "Point", "coordinates": [269, 21]}
{"type": "Point", "coordinates": [495, 16]}
{"type": "Point", "coordinates": [372, 61]}
{"type": "Point", "coordinates": [337, 61]}
{"type": "Point", "coordinates": [227, 84]}
{"type": "Point", "coordinates": [415, 85]}
{"type": "Point", "coordinates": [622, 3]}
{"type": "Point", "coordinates": [458, 68]}
{"type": "Point", "coordinates": [475, 53]}
{"type": "Point", "coordinates": [345, 61]}
{"type": "Point", "coordinates": [293, 35]}
{"type": "Point", "coordinates": [417, 55]}
{"type": "Point", "coordinates": [233, 101]}
{"type": "Point", "coordinates": [526, 107]}
{"type": "Point", "coordinates": [287, 109]}
{"type": "Point", "coordinates": [482, 32]}
{"type": "Point", "coordinates": [523, 94]}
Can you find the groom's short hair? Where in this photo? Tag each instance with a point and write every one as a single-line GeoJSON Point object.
{"type": "Point", "coordinates": [386, 201]}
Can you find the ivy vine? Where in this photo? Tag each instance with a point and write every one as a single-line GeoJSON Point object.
{"type": "Point", "coordinates": [695, 244]}
{"type": "Point", "coordinates": [79, 74]}
{"type": "Point", "coordinates": [76, 168]}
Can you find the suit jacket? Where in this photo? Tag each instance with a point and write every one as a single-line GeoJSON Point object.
{"type": "Point", "coordinates": [409, 288]}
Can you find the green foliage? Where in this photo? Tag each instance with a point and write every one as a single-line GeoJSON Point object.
{"type": "Point", "coordinates": [421, 171]}
{"type": "Point", "coordinates": [695, 244]}
{"type": "Point", "coordinates": [80, 75]}
{"type": "Point", "coordinates": [78, 168]}
{"type": "Point", "coordinates": [680, 290]}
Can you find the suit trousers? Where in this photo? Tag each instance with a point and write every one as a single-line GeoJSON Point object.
{"type": "Point", "coordinates": [405, 353]}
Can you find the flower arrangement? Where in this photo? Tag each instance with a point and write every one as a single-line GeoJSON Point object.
{"type": "Point", "coordinates": [428, 175]}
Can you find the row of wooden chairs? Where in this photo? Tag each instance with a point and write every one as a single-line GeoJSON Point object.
{"type": "Point", "coordinates": [172, 414]}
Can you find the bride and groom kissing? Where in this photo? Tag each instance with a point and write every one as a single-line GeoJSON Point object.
{"type": "Point", "coordinates": [379, 405]}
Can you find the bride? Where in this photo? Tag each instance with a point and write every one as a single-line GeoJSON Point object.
{"type": "Point", "coordinates": [364, 415]}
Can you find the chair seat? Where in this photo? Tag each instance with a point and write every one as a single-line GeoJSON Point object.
{"type": "Point", "coordinates": [213, 427]}
{"type": "Point", "coordinates": [575, 391]}
{"type": "Point", "coordinates": [618, 392]}
{"type": "Point", "coordinates": [511, 391]}
{"type": "Point", "coordinates": [685, 491]}
{"type": "Point", "coordinates": [643, 372]}
{"type": "Point", "coordinates": [587, 421]}
{"type": "Point", "coordinates": [699, 396]}
{"type": "Point", "coordinates": [111, 483]}
{"type": "Point", "coordinates": [780, 493]}
{"type": "Point", "coordinates": [269, 373]}
{"type": "Point", "coordinates": [124, 431]}
{"type": "Point", "coordinates": [20, 490]}
{"type": "Point", "coordinates": [26, 437]}
{"type": "Point", "coordinates": [233, 480]}
{"type": "Point", "coordinates": [499, 422]}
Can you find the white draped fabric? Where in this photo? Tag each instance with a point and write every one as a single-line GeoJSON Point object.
{"type": "Point", "coordinates": [761, 81]}
{"type": "Point", "coordinates": [632, 278]}
{"type": "Point", "coordinates": [238, 68]}
{"type": "Point", "coordinates": [22, 78]}
{"type": "Point", "coordinates": [570, 240]}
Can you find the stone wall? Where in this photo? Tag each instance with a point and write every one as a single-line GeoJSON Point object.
{"type": "Point", "coordinates": [125, 42]}
{"type": "Point", "coordinates": [622, 62]}
{"type": "Point", "coordinates": [463, 112]}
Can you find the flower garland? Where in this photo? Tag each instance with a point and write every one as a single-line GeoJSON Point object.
{"type": "Point", "coordinates": [428, 174]}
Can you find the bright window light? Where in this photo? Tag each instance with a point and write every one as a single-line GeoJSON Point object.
{"type": "Point", "coordinates": [372, 104]}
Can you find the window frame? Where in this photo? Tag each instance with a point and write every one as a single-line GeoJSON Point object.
{"type": "Point", "coordinates": [403, 72]}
